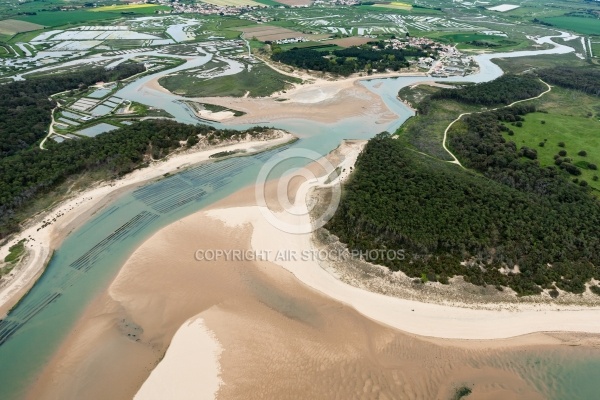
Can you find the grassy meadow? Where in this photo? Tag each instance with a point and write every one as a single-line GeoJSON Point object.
{"type": "Point", "coordinates": [259, 82]}
{"type": "Point", "coordinates": [577, 134]}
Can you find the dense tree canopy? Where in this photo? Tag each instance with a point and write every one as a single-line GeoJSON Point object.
{"type": "Point", "coordinates": [372, 56]}
{"type": "Point", "coordinates": [581, 78]}
{"type": "Point", "coordinates": [504, 90]}
{"type": "Point", "coordinates": [33, 172]}
{"type": "Point", "coordinates": [442, 215]}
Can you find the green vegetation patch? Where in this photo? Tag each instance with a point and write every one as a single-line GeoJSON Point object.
{"type": "Point", "coordinates": [462, 392]}
{"type": "Point", "coordinates": [271, 3]}
{"type": "Point", "coordinates": [34, 173]}
{"type": "Point", "coordinates": [131, 9]}
{"type": "Point", "coordinates": [585, 25]}
{"type": "Point", "coordinates": [15, 252]}
{"type": "Point", "coordinates": [517, 65]}
{"type": "Point", "coordinates": [504, 90]}
{"type": "Point", "coordinates": [442, 215]}
{"type": "Point", "coordinates": [259, 81]}
{"type": "Point", "coordinates": [349, 60]}
{"type": "Point", "coordinates": [222, 154]}
{"type": "Point", "coordinates": [543, 132]}
{"type": "Point", "coordinates": [584, 79]}
{"type": "Point", "coordinates": [59, 18]}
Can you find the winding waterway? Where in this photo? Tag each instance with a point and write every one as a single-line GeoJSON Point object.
{"type": "Point", "coordinates": [90, 257]}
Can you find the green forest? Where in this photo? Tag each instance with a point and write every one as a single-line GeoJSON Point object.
{"type": "Point", "coordinates": [584, 79]}
{"type": "Point", "coordinates": [441, 215]}
{"type": "Point", "coordinates": [350, 60]}
{"type": "Point", "coordinates": [517, 224]}
{"type": "Point", "coordinates": [502, 91]}
{"type": "Point", "coordinates": [33, 172]}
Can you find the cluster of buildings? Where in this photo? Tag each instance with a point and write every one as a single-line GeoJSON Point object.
{"type": "Point", "coordinates": [443, 61]}
{"type": "Point", "coordinates": [292, 40]}
{"type": "Point", "coordinates": [208, 9]}
{"type": "Point", "coordinates": [337, 2]}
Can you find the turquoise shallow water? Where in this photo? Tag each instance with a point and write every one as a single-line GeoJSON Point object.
{"type": "Point", "coordinates": [91, 256]}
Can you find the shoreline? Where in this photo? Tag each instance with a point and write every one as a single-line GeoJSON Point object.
{"type": "Point", "coordinates": [231, 297]}
{"type": "Point", "coordinates": [434, 320]}
{"type": "Point", "coordinates": [71, 213]}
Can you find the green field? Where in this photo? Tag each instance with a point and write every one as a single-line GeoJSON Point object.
{"type": "Point", "coordinates": [269, 3]}
{"type": "Point", "coordinates": [318, 46]}
{"type": "Point", "coordinates": [465, 41]}
{"type": "Point", "coordinates": [587, 26]}
{"type": "Point", "coordinates": [53, 18]}
{"type": "Point", "coordinates": [259, 82]}
{"type": "Point", "coordinates": [517, 65]}
{"type": "Point", "coordinates": [578, 133]}
{"type": "Point", "coordinates": [596, 49]}
{"type": "Point", "coordinates": [399, 10]}
{"type": "Point", "coordinates": [131, 8]}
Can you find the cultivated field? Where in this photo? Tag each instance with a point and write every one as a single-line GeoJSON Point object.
{"type": "Point", "coordinates": [394, 4]}
{"type": "Point", "coordinates": [127, 7]}
{"type": "Point", "coordinates": [588, 26]}
{"type": "Point", "coordinates": [267, 32]}
{"type": "Point", "coordinates": [12, 26]}
{"type": "Point", "coordinates": [351, 41]}
{"type": "Point", "coordinates": [233, 3]}
{"type": "Point", "coordinates": [295, 2]}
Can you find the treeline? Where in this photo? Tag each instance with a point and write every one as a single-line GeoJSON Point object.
{"type": "Point", "coordinates": [584, 79]}
{"type": "Point", "coordinates": [442, 215]}
{"type": "Point", "coordinates": [350, 60]}
{"type": "Point", "coordinates": [25, 107]}
{"type": "Point", "coordinates": [33, 172]}
{"type": "Point", "coordinates": [502, 91]}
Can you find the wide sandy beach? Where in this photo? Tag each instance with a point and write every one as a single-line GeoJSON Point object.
{"type": "Point", "coordinates": [287, 329]}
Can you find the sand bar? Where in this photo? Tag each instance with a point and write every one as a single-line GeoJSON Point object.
{"type": "Point", "coordinates": [281, 338]}
{"type": "Point", "coordinates": [198, 349]}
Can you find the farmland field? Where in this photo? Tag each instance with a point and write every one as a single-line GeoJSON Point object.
{"type": "Point", "coordinates": [350, 41]}
{"type": "Point", "coordinates": [588, 26]}
{"type": "Point", "coordinates": [234, 3]}
{"type": "Point", "coordinates": [12, 26]}
{"type": "Point", "coordinates": [269, 3]}
{"type": "Point", "coordinates": [596, 49]}
{"type": "Point", "coordinates": [136, 8]}
{"type": "Point", "coordinates": [318, 46]}
{"type": "Point", "coordinates": [295, 2]}
{"type": "Point", "coordinates": [53, 18]}
{"type": "Point", "coordinates": [394, 4]}
{"type": "Point", "coordinates": [267, 32]}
